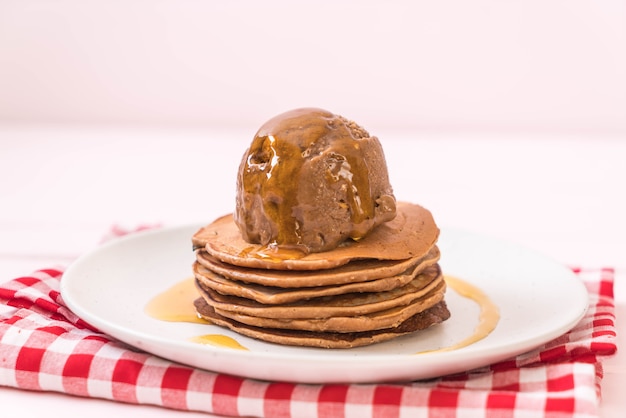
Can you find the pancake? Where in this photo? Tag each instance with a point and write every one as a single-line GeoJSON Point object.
{"type": "Point", "coordinates": [276, 295]}
{"type": "Point", "coordinates": [349, 304]}
{"type": "Point", "coordinates": [386, 318]}
{"type": "Point", "coordinates": [412, 233]}
{"type": "Point", "coordinates": [279, 295]}
{"type": "Point", "coordinates": [422, 320]}
{"type": "Point", "coordinates": [353, 272]}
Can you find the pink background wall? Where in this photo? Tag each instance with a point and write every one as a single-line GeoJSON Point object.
{"type": "Point", "coordinates": [458, 65]}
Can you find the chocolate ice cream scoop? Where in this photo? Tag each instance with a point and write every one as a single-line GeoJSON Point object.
{"type": "Point", "coordinates": [311, 180]}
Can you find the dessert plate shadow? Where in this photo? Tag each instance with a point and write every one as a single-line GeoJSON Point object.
{"type": "Point", "coordinates": [538, 300]}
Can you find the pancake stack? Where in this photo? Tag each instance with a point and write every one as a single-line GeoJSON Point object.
{"type": "Point", "coordinates": [362, 292]}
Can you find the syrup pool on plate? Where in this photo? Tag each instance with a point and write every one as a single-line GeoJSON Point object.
{"type": "Point", "coordinates": [176, 305]}
{"type": "Point", "coordinates": [488, 317]}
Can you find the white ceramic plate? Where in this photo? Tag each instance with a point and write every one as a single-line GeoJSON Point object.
{"type": "Point", "coordinates": [538, 300]}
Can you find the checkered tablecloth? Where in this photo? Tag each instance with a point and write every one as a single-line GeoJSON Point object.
{"type": "Point", "coordinates": [45, 347]}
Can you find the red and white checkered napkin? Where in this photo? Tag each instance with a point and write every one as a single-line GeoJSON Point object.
{"type": "Point", "coordinates": [44, 346]}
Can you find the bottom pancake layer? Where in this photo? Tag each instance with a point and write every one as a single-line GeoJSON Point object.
{"type": "Point", "coordinates": [422, 320]}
